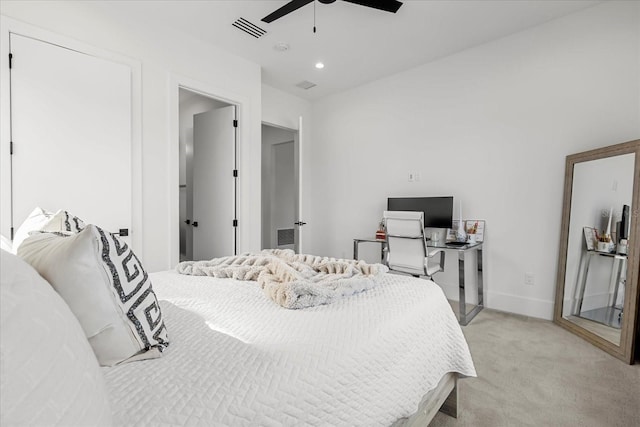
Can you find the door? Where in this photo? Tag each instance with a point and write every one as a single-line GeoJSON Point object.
{"type": "Point", "coordinates": [71, 134]}
{"type": "Point", "coordinates": [214, 184]}
{"type": "Point", "coordinates": [281, 200]}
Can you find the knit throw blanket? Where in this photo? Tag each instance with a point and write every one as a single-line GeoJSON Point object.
{"type": "Point", "coordinates": [292, 280]}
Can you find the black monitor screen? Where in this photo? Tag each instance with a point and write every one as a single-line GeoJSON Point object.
{"type": "Point", "coordinates": [438, 211]}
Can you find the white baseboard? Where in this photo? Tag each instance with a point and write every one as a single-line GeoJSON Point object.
{"type": "Point", "coordinates": [532, 307]}
{"type": "Point", "coordinates": [516, 304]}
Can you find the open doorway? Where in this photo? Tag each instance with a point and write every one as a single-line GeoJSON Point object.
{"type": "Point", "coordinates": [207, 177]}
{"type": "Point", "coordinates": [280, 171]}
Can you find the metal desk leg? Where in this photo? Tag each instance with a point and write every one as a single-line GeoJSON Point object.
{"type": "Point", "coordinates": [621, 264]}
{"type": "Point", "coordinates": [465, 317]}
{"type": "Point", "coordinates": [480, 271]}
{"type": "Point", "coordinates": [583, 282]}
{"type": "Point", "coordinates": [462, 301]}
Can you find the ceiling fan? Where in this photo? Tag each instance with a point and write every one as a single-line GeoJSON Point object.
{"type": "Point", "coordinates": [385, 5]}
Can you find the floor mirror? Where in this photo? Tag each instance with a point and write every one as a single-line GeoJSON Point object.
{"type": "Point", "coordinates": [597, 285]}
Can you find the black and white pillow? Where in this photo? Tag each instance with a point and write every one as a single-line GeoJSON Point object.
{"type": "Point", "coordinates": [42, 220]}
{"type": "Point", "coordinates": [106, 287]}
{"type": "Point", "coordinates": [63, 221]}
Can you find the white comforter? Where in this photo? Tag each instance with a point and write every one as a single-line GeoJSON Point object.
{"type": "Point", "coordinates": [236, 358]}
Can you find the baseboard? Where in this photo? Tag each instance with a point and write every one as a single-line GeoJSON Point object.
{"type": "Point", "coordinates": [532, 307]}
{"type": "Point", "coordinates": [516, 304]}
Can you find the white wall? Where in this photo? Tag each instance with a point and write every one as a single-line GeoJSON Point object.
{"type": "Point", "coordinates": [284, 110]}
{"type": "Point", "coordinates": [167, 58]}
{"type": "Point", "coordinates": [491, 126]}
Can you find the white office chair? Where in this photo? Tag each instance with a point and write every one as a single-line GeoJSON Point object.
{"type": "Point", "coordinates": [407, 250]}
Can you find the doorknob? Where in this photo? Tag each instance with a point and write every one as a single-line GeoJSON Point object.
{"type": "Point", "coordinates": [195, 223]}
{"type": "Point", "coordinates": [300, 223]}
{"type": "Point", "coordinates": [188, 221]}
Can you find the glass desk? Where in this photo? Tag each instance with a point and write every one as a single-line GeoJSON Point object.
{"type": "Point", "coordinates": [464, 316]}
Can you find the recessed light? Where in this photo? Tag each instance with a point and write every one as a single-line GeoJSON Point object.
{"type": "Point", "coordinates": [281, 47]}
{"type": "Point", "coordinates": [319, 65]}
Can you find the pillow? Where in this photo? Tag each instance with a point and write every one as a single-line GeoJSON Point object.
{"type": "Point", "coordinates": [5, 244]}
{"type": "Point", "coordinates": [106, 287]}
{"type": "Point", "coordinates": [48, 372]}
{"type": "Point", "coordinates": [35, 221]}
{"type": "Point", "coordinates": [40, 220]}
{"type": "Point", "coordinates": [65, 222]}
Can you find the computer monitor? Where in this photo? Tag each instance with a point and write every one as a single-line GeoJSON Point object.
{"type": "Point", "coordinates": [438, 211]}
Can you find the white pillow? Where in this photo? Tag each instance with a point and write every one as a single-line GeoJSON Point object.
{"type": "Point", "coordinates": [49, 374]}
{"type": "Point", "coordinates": [35, 221]}
{"type": "Point", "coordinates": [5, 244]}
{"type": "Point", "coordinates": [106, 287]}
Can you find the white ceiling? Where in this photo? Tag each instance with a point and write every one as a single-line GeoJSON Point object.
{"type": "Point", "coordinates": [356, 43]}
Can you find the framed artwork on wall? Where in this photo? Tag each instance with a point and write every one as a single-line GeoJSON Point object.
{"type": "Point", "coordinates": [590, 238]}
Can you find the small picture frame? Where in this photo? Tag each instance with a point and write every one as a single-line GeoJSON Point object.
{"type": "Point", "coordinates": [590, 238]}
{"type": "Point", "coordinates": [472, 226]}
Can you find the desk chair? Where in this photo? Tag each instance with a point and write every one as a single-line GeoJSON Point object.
{"type": "Point", "coordinates": [407, 250]}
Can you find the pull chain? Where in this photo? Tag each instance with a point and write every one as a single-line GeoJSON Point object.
{"type": "Point", "coordinates": [314, 16]}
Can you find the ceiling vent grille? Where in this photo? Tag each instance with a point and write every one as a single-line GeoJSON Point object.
{"type": "Point", "coordinates": [249, 28]}
{"type": "Point", "coordinates": [306, 84]}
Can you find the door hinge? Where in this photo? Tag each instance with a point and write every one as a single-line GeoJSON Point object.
{"type": "Point", "coordinates": [235, 123]}
{"type": "Point", "coordinates": [10, 60]}
{"type": "Point", "coordinates": [11, 148]}
{"type": "Point", "coordinates": [235, 222]}
{"type": "Point", "coordinates": [235, 173]}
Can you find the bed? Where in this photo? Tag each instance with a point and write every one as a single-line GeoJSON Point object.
{"type": "Point", "coordinates": [236, 358]}
{"type": "Point", "coordinates": [213, 352]}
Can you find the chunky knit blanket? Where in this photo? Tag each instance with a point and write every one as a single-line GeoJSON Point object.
{"type": "Point", "coordinates": [292, 280]}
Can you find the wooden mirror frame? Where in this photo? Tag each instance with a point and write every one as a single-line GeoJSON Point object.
{"type": "Point", "coordinates": [624, 351]}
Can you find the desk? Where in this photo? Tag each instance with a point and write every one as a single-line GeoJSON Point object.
{"type": "Point", "coordinates": [464, 317]}
{"type": "Point", "coordinates": [382, 242]}
{"type": "Point", "coordinates": [619, 263]}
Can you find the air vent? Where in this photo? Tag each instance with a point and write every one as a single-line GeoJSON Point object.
{"type": "Point", "coordinates": [249, 28]}
{"type": "Point", "coordinates": [286, 236]}
{"type": "Point", "coordinates": [306, 84]}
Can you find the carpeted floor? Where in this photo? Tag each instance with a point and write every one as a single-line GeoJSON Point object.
{"type": "Point", "coordinates": [531, 372]}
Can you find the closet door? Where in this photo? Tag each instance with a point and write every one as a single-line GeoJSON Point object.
{"type": "Point", "coordinates": [71, 133]}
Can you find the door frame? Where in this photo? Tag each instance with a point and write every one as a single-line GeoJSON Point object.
{"type": "Point", "coordinates": [177, 82]}
{"type": "Point", "coordinates": [297, 154]}
{"type": "Point", "coordinates": [8, 26]}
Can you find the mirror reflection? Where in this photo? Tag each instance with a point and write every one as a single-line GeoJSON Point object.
{"type": "Point", "coordinates": [599, 228]}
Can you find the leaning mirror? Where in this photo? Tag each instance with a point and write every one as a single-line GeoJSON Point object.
{"type": "Point", "coordinates": [597, 286]}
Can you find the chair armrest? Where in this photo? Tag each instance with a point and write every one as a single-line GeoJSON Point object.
{"type": "Point", "coordinates": [431, 254]}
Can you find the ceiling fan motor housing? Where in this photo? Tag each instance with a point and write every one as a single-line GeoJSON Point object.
{"type": "Point", "coordinates": [327, 1]}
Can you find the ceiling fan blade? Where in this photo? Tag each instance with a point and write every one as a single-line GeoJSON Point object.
{"type": "Point", "coordinates": [386, 5]}
{"type": "Point", "coordinates": [286, 9]}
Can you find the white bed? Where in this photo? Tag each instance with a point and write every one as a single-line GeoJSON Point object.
{"type": "Point", "coordinates": [236, 358]}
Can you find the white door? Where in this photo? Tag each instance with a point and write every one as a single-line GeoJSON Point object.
{"type": "Point", "coordinates": [71, 133]}
{"type": "Point", "coordinates": [214, 184]}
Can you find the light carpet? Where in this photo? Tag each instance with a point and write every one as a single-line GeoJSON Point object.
{"type": "Point", "coordinates": [531, 372]}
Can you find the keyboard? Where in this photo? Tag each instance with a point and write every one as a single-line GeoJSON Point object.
{"type": "Point", "coordinates": [457, 244]}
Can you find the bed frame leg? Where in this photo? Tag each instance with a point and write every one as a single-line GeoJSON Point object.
{"type": "Point", "coordinates": [450, 405]}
